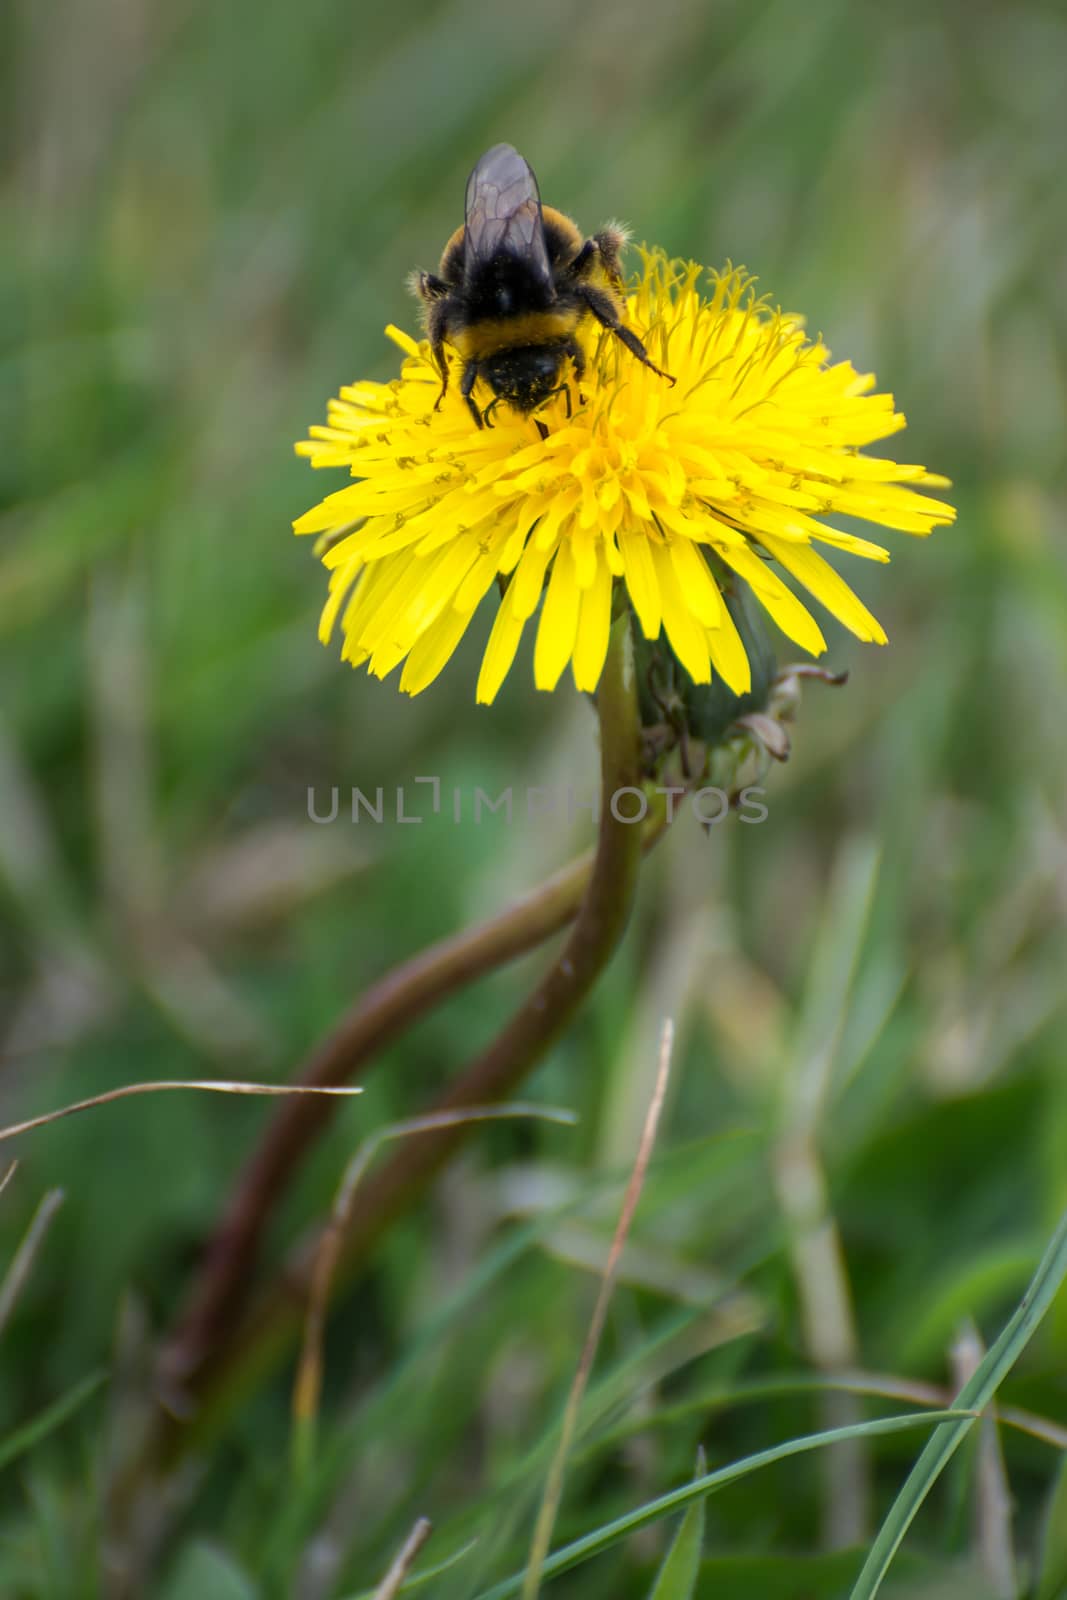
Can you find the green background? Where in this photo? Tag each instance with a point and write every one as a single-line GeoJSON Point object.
{"type": "Point", "coordinates": [208, 213]}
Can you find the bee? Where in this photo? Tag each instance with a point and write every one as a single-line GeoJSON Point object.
{"type": "Point", "coordinates": [515, 283]}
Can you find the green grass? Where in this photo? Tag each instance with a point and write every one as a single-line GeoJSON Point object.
{"type": "Point", "coordinates": [208, 213]}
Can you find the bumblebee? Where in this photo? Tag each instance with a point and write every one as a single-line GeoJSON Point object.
{"type": "Point", "coordinates": [515, 283]}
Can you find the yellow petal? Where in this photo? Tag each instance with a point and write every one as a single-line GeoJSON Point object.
{"type": "Point", "coordinates": [559, 621]}
{"type": "Point", "coordinates": [404, 340]}
{"type": "Point", "coordinates": [430, 653]}
{"type": "Point", "coordinates": [641, 581]}
{"type": "Point", "coordinates": [594, 627]}
{"type": "Point", "coordinates": [697, 584]}
{"type": "Point", "coordinates": [478, 582]}
{"type": "Point", "coordinates": [341, 583]}
{"type": "Point", "coordinates": [394, 625]}
{"type": "Point", "coordinates": [499, 652]}
{"type": "Point", "coordinates": [688, 638]}
{"type": "Point", "coordinates": [334, 511]}
{"type": "Point", "coordinates": [819, 577]}
{"type": "Point", "coordinates": [527, 582]}
{"type": "Point", "coordinates": [729, 656]}
{"type": "Point", "coordinates": [381, 594]}
{"type": "Point", "coordinates": [585, 548]}
{"type": "Point", "coordinates": [781, 603]}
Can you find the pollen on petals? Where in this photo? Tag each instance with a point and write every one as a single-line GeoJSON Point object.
{"type": "Point", "coordinates": [629, 482]}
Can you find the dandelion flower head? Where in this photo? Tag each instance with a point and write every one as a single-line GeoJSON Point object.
{"type": "Point", "coordinates": [640, 496]}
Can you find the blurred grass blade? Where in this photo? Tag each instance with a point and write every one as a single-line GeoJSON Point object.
{"type": "Point", "coordinates": [419, 1580]}
{"type": "Point", "coordinates": [19, 1270]}
{"type": "Point", "coordinates": [828, 988]}
{"type": "Point", "coordinates": [553, 1493]}
{"type": "Point", "coordinates": [205, 1572]}
{"type": "Point", "coordinates": [975, 1395]}
{"type": "Point", "coordinates": [1052, 1572]}
{"type": "Point", "coordinates": [207, 1085]}
{"type": "Point", "coordinates": [391, 1584]}
{"type": "Point", "coordinates": [881, 1385]}
{"type": "Point", "coordinates": [307, 1386]}
{"type": "Point", "coordinates": [601, 1539]}
{"type": "Point", "coordinates": [46, 1421]}
{"type": "Point", "coordinates": [677, 1578]}
{"type": "Point", "coordinates": [993, 1532]}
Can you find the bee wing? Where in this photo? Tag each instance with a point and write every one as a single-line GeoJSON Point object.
{"type": "Point", "coordinates": [503, 212]}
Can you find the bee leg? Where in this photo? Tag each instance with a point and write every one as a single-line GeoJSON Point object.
{"type": "Point", "coordinates": [609, 241]}
{"type": "Point", "coordinates": [634, 344]}
{"type": "Point", "coordinates": [470, 376]}
{"type": "Point", "coordinates": [541, 427]}
{"type": "Point", "coordinates": [627, 337]}
{"type": "Point", "coordinates": [565, 390]}
{"type": "Point", "coordinates": [430, 286]}
{"type": "Point", "coordinates": [436, 328]}
{"type": "Point", "coordinates": [583, 258]}
{"type": "Point", "coordinates": [603, 308]}
{"type": "Point", "coordinates": [574, 350]}
{"type": "Point", "coordinates": [442, 365]}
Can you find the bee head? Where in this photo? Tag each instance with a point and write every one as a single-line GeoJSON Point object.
{"type": "Point", "coordinates": [526, 376]}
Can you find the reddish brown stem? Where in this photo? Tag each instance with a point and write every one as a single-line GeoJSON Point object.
{"type": "Point", "coordinates": [602, 916]}
{"type": "Point", "coordinates": [220, 1292]}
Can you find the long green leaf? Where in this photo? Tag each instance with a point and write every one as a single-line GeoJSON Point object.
{"type": "Point", "coordinates": [677, 1578]}
{"type": "Point", "coordinates": [205, 1572]}
{"type": "Point", "coordinates": [46, 1421]}
{"type": "Point", "coordinates": [975, 1395]}
{"type": "Point", "coordinates": [592, 1544]}
{"type": "Point", "coordinates": [1052, 1571]}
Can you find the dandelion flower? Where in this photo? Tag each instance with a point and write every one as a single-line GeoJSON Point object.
{"type": "Point", "coordinates": [636, 498]}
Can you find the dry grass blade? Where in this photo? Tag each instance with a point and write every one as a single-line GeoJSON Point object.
{"type": "Point", "coordinates": [994, 1544]}
{"type": "Point", "coordinates": [939, 1395]}
{"type": "Point", "coordinates": [19, 1270]}
{"type": "Point", "coordinates": [211, 1085]}
{"type": "Point", "coordinates": [308, 1385]}
{"type": "Point", "coordinates": [8, 1175]}
{"type": "Point", "coordinates": [550, 1500]}
{"type": "Point", "coordinates": [390, 1584]}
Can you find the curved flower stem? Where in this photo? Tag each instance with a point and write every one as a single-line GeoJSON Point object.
{"type": "Point", "coordinates": [542, 1017]}
{"type": "Point", "coordinates": [220, 1292]}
